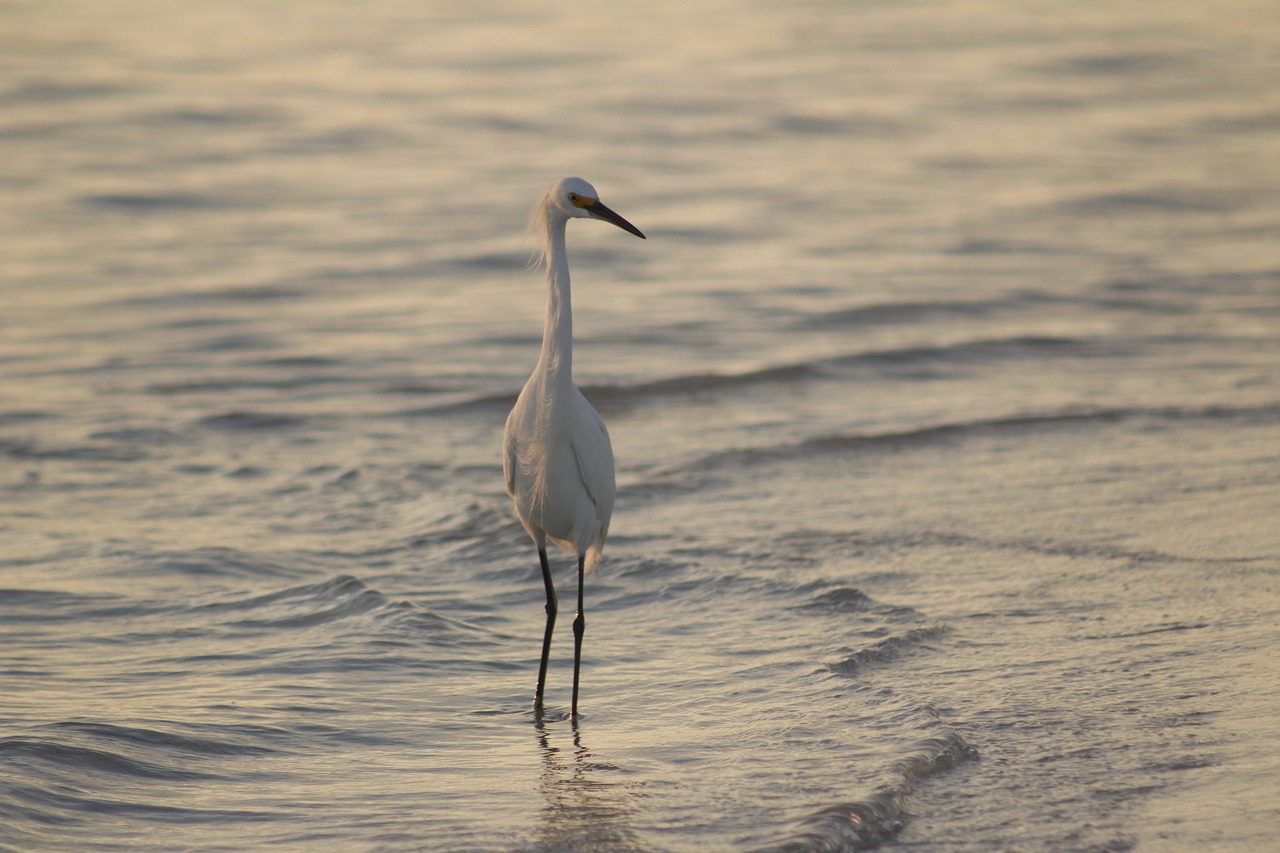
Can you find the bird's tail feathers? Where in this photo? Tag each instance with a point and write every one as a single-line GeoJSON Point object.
{"type": "Point", "coordinates": [594, 554]}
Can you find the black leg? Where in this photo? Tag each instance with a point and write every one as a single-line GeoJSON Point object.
{"type": "Point", "coordinates": [579, 624]}
{"type": "Point", "coordinates": [552, 608]}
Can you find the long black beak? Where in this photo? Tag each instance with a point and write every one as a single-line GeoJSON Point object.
{"type": "Point", "coordinates": [599, 211]}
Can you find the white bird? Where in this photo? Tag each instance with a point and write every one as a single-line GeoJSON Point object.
{"type": "Point", "coordinates": [557, 458]}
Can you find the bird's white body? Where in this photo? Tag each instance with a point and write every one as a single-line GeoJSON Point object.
{"type": "Point", "coordinates": [557, 457]}
{"type": "Point", "coordinates": [559, 466]}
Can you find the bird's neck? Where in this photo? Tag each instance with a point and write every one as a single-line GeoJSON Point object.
{"type": "Point", "coordinates": [557, 332]}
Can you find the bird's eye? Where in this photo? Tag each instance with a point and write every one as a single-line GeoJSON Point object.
{"type": "Point", "coordinates": [573, 197]}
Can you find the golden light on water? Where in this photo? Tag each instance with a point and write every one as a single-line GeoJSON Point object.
{"type": "Point", "coordinates": [943, 394]}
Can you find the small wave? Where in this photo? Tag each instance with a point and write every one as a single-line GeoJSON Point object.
{"type": "Point", "coordinates": [844, 125]}
{"type": "Point", "coordinates": [652, 569]}
{"type": "Point", "coordinates": [351, 140]}
{"type": "Point", "coordinates": [1250, 119]}
{"type": "Point", "coordinates": [847, 599]}
{"type": "Point", "coordinates": [21, 417]}
{"type": "Point", "coordinates": [842, 600]}
{"type": "Point", "coordinates": [388, 622]}
{"type": "Point", "coordinates": [29, 809]}
{"type": "Point", "coordinates": [622, 396]}
{"type": "Point", "coordinates": [233, 342]}
{"type": "Point", "coordinates": [305, 606]}
{"type": "Point", "coordinates": [206, 117]}
{"type": "Point", "coordinates": [1000, 247]}
{"type": "Point", "coordinates": [946, 432]}
{"type": "Point", "coordinates": [500, 402]}
{"type": "Point", "coordinates": [1160, 202]}
{"type": "Point", "coordinates": [447, 521]}
{"type": "Point", "coordinates": [222, 385]}
{"type": "Point", "coordinates": [251, 421]}
{"type": "Point", "coordinates": [615, 396]}
{"type": "Point", "coordinates": [1165, 628]}
{"type": "Point", "coordinates": [82, 759]}
{"type": "Point", "coordinates": [141, 203]}
{"type": "Point", "coordinates": [224, 562]}
{"type": "Point", "coordinates": [45, 91]}
{"type": "Point", "coordinates": [866, 823]}
{"type": "Point", "coordinates": [209, 562]}
{"type": "Point", "coordinates": [410, 270]}
{"type": "Point", "coordinates": [154, 436]}
{"type": "Point", "coordinates": [700, 383]}
{"type": "Point", "coordinates": [1111, 64]}
{"type": "Point", "coordinates": [844, 543]}
{"type": "Point", "coordinates": [307, 361]}
{"type": "Point", "coordinates": [491, 261]}
{"type": "Point", "coordinates": [413, 623]}
{"type": "Point", "coordinates": [889, 649]}
{"type": "Point", "coordinates": [991, 349]}
{"type": "Point", "coordinates": [196, 297]}
{"type": "Point", "coordinates": [859, 825]}
{"type": "Point", "coordinates": [875, 360]}
{"type": "Point", "coordinates": [72, 453]}
{"type": "Point", "coordinates": [893, 313]}
{"type": "Point", "coordinates": [40, 608]}
{"type": "Point", "coordinates": [167, 740]}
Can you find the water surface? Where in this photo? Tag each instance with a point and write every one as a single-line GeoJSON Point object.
{"type": "Point", "coordinates": [944, 395]}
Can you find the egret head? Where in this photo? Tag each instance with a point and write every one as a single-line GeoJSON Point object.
{"type": "Point", "coordinates": [571, 198]}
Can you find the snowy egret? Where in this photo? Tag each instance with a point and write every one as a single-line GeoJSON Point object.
{"type": "Point", "coordinates": [557, 458]}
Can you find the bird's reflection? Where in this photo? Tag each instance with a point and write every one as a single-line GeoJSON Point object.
{"type": "Point", "coordinates": [589, 803]}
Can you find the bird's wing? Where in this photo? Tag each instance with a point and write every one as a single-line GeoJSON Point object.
{"type": "Point", "coordinates": [593, 452]}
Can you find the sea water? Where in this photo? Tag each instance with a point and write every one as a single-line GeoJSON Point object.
{"type": "Point", "coordinates": [945, 396]}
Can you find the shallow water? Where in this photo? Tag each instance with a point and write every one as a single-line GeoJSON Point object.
{"type": "Point", "coordinates": [944, 395]}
